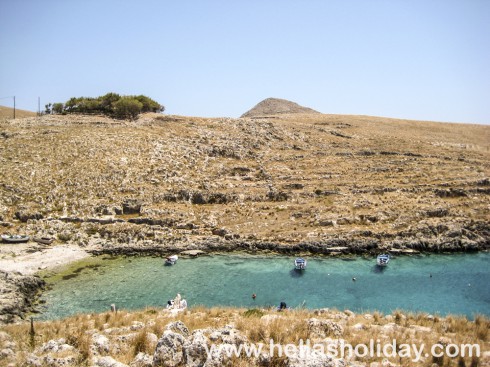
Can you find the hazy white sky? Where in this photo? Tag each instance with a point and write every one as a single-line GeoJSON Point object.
{"type": "Point", "coordinates": [418, 59]}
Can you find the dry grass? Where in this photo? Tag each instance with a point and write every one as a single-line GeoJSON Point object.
{"type": "Point", "coordinates": [259, 326]}
{"type": "Point", "coordinates": [8, 113]}
{"type": "Point", "coordinates": [379, 175]}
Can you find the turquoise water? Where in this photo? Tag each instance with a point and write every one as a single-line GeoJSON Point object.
{"type": "Point", "coordinates": [460, 284]}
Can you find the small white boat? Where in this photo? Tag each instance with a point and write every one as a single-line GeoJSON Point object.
{"type": "Point", "coordinates": [300, 263]}
{"type": "Point", "coordinates": [43, 240]}
{"type": "Point", "coordinates": [171, 260]}
{"type": "Point", "coordinates": [383, 259]}
{"type": "Point", "coordinates": [14, 238]}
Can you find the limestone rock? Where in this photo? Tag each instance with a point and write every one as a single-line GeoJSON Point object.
{"type": "Point", "coordinates": [132, 206]}
{"type": "Point", "coordinates": [26, 214]}
{"type": "Point", "coordinates": [142, 360]}
{"type": "Point", "coordinates": [220, 232]}
{"type": "Point", "coordinates": [169, 351]}
{"type": "Point", "coordinates": [178, 327]}
{"type": "Point", "coordinates": [18, 292]}
{"type": "Point", "coordinates": [108, 362]}
{"type": "Point", "coordinates": [195, 353]}
{"type": "Point", "coordinates": [322, 328]}
{"type": "Point", "coordinates": [56, 346]}
{"type": "Point", "coordinates": [100, 344]}
{"type": "Point", "coordinates": [68, 361]}
{"type": "Point", "coordinates": [310, 358]}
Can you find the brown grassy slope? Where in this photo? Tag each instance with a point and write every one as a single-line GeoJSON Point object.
{"type": "Point", "coordinates": [8, 113]}
{"type": "Point", "coordinates": [131, 333]}
{"type": "Point", "coordinates": [290, 178]}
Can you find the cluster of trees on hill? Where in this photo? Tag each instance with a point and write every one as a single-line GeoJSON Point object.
{"type": "Point", "coordinates": [111, 104]}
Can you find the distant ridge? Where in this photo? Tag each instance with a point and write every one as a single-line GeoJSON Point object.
{"type": "Point", "coordinates": [8, 113]}
{"type": "Point", "coordinates": [276, 106]}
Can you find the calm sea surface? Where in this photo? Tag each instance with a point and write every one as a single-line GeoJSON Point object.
{"type": "Point", "coordinates": [460, 284]}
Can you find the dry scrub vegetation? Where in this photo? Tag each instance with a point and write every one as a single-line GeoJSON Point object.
{"type": "Point", "coordinates": [8, 113]}
{"type": "Point", "coordinates": [283, 179]}
{"type": "Point", "coordinates": [127, 334]}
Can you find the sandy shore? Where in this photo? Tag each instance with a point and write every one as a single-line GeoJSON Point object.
{"type": "Point", "coordinates": [29, 258]}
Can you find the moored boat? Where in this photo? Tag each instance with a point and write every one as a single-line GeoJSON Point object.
{"type": "Point", "coordinates": [383, 260]}
{"type": "Point", "coordinates": [43, 240]}
{"type": "Point", "coordinates": [171, 260]}
{"type": "Point", "coordinates": [300, 263]}
{"type": "Point", "coordinates": [16, 238]}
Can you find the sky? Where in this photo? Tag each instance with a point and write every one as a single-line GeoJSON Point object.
{"type": "Point", "coordinates": [414, 59]}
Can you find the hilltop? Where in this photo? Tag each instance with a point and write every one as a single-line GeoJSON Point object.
{"type": "Point", "coordinates": [276, 106]}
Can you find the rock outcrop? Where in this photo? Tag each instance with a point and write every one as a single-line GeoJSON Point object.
{"type": "Point", "coordinates": [17, 295]}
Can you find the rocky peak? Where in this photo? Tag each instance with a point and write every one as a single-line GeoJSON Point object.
{"type": "Point", "coordinates": [276, 106]}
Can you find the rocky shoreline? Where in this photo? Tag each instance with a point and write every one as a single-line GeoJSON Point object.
{"type": "Point", "coordinates": [471, 237]}
{"type": "Point", "coordinates": [18, 295]}
{"type": "Point", "coordinates": [21, 291]}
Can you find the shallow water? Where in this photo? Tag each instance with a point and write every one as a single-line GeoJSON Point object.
{"type": "Point", "coordinates": [460, 284]}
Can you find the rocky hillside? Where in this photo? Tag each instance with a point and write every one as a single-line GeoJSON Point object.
{"type": "Point", "coordinates": [276, 106]}
{"type": "Point", "coordinates": [17, 294]}
{"type": "Point", "coordinates": [292, 183]}
{"type": "Point", "coordinates": [152, 338]}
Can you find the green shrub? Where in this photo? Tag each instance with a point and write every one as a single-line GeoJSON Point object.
{"type": "Point", "coordinates": [57, 107]}
{"type": "Point", "coordinates": [110, 104]}
{"type": "Point", "coordinates": [127, 107]}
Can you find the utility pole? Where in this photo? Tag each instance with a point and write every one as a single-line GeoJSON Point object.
{"type": "Point", "coordinates": [39, 106]}
{"type": "Point", "coordinates": [14, 107]}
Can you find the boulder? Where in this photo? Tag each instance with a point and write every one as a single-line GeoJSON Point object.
{"type": "Point", "coordinates": [132, 206]}
{"type": "Point", "coordinates": [322, 328]}
{"type": "Point", "coordinates": [108, 362]}
{"type": "Point", "coordinates": [169, 351]}
{"type": "Point", "coordinates": [325, 223]}
{"type": "Point", "coordinates": [142, 360]}
{"type": "Point", "coordinates": [309, 358]}
{"type": "Point", "coordinates": [195, 349]}
{"type": "Point", "coordinates": [6, 353]}
{"type": "Point", "coordinates": [220, 232]}
{"type": "Point", "coordinates": [56, 346]}
{"type": "Point", "coordinates": [450, 193]}
{"type": "Point", "coordinates": [67, 361]}
{"type": "Point", "coordinates": [104, 209]}
{"type": "Point", "coordinates": [437, 213]}
{"type": "Point", "coordinates": [18, 293]}
{"type": "Point", "coordinates": [26, 214]}
{"type": "Point", "coordinates": [277, 195]}
{"type": "Point", "coordinates": [178, 327]}
{"type": "Point", "coordinates": [100, 344]}
{"type": "Point", "coordinates": [293, 186]}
